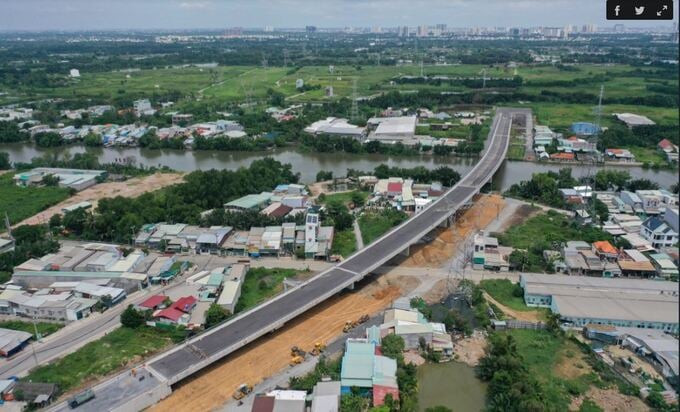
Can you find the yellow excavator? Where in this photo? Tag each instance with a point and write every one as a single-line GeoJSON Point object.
{"type": "Point", "coordinates": [318, 348]}
{"type": "Point", "coordinates": [243, 390]}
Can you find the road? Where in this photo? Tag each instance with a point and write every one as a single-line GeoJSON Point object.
{"type": "Point", "coordinates": [199, 352]}
{"type": "Point", "coordinates": [73, 336]}
{"type": "Point", "coordinates": [184, 360]}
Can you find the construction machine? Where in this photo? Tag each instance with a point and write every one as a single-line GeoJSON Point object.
{"type": "Point", "coordinates": [296, 360]}
{"type": "Point", "coordinates": [318, 348]}
{"type": "Point", "coordinates": [349, 325]}
{"type": "Point", "coordinates": [243, 390]}
{"type": "Point", "coordinates": [363, 319]}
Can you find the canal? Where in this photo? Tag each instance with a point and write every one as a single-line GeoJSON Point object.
{"type": "Point", "coordinates": [451, 384]}
{"type": "Point", "coordinates": [309, 163]}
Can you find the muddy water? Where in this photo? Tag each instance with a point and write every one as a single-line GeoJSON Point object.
{"type": "Point", "coordinates": [451, 384]}
{"type": "Point", "coordinates": [308, 164]}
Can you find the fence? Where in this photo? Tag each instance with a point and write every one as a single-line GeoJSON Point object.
{"type": "Point", "coordinates": [522, 324]}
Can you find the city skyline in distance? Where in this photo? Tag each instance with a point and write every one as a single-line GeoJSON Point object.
{"type": "Point", "coordinates": [74, 15]}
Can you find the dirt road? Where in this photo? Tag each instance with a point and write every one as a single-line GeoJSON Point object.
{"type": "Point", "coordinates": [130, 188]}
{"type": "Point", "coordinates": [529, 315]}
{"type": "Point", "coordinates": [438, 252]}
{"type": "Point", "coordinates": [267, 356]}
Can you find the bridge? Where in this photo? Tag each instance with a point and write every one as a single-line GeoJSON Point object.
{"type": "Point", "coordinates": [195, 354]}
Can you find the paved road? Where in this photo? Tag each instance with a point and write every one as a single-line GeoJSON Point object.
{"type": "Point", "coordinates": [184, 360]}
{"type": "Point", "coordinates": [73, 336]}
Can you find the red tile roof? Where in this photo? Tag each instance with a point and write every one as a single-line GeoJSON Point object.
{"type": "Point", "coordinates": [169, 313]}
{"type": "Point", "coordinates": [573, 139]}
{"type": "Point", "coordinates": [394, 187]}
{"type": "Point", "coordinates": [562, 156]}
{"type": "Point", "coordinates": [153, 301]}
{"type": "Point", "coordinates": [184, 304]}
{"type": "Point", "coordinates": [605, 247]}
{"type": "Point", "coordinates": [615, 151]}
{"type": "Point", "coordinates": [665, 144]}
{"type": "Point", "coordinates": [379, 393]}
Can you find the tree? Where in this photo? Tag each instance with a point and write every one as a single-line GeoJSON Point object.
{"type": "Point", "coordinates": [357, 199]}
{"type": "Point", "coordinates": [93, 140]}
{"type": "Point", "coordinates": [55, 221]}
{"type": "Point", "coordinates": [323, 175]}
{"type": "Point", "coordinates": [4, 161]}
{"type": "Point", "coordinates": [518, 259]}
{"type": "Point", "coordinates": [393, 346]}
{"type": "Point", "coordinates": [600, 209]}
{"type": "Point", "coordinates": [214, 315]}
{"type": "Point", "coordinates": [132, 318]}
{"type": "Point", "coordinates": [641, 184]}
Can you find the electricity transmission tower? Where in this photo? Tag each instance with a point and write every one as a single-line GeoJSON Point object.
{"type": "Point", "coordinates": [354, 115]}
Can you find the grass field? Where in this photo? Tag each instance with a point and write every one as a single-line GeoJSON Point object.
{"type": "Point", "coordinates": [559, 364]}
{"type": "Point", "coordinates": [506, 292]}
{"type": "Point", "coordinates": [344, 198]}
{"type": "Point", "coordinates": [102, 357]}
{"type": "Point", "coordinates": [649, 155]}
{"type": "Point", "coordinates": [374, 224]}
{"type": "Point", "coordinates": [344, 243]}
{"type": "Point", "coordinates": [261, 284]}
{"type": "Point", "coordinates": [515, 152]}
{"type": "Point", "coordinates": [44, 328]}
{"type": "Point", "coordinates": [22, 202]}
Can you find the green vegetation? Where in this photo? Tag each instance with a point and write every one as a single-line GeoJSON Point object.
{"type": "Point", "coordinates": [375, 223]}
{"type": "Point", "coordinates": [215, 315]}
{"type": "Point", "coordinates": [324, 367]}
{"type": "Point", "coordinates": [44, 328]}
{"type": "Point", "coordinates": [115, 219]}
{"type": "Point", "coordinates": [504, 291]}
{"type": "Point", "coordinates": [31, 241]}
{"type": "Point", "coordinates": [344, 243]}
{"type": "Point", "coordinates": [4, 161]}
{"type": "Point", "coordinates": [648, 155]}
{"type": "Point", "coordinates": [261, 284]}
{"type": "Point", "coordinates": [103, 356]}
{"type": "Point", "coordinates": [22, 202]}
{"type": "Point", "coordinates": [548, 231]}
{"type": "Point", "coordinates": [346, 197]}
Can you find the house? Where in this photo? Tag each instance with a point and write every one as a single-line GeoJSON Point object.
{"type": "Point", "coordinates": [620, 155]}
{"type": "Point", "coordinates": [249, 202]}
{"type": "Point", "coordinates": [670, 150]}
{"type": "Point", "coordinates": [36, 394]}
{"type": "Point", "coordinates": [211, 241]}
{"type": "Point", "coordinates": [584, 128]}
{"type": "Point", "coordinates": [565, 157]}
{"type": "Point", "coordinates": [652, 201]}
{"type": "Point", "coordinates": [633, 200]}
{"type": "Point", "coordinates": [658, 232]}
{"type": "Point", "coordinates": [143, 108]}
{"type": "Point", "coordinates": [6, 245]}
{"type": "Point", "coordinates": [634, 264]}
{"type": "Point", "coordinates": [155, 302]}
{"type": "Point", "coordinates": [605, 250]}
{"type": "Point", "coordinates": [12, 341]}
{"type": "Point", "coordinates": [326, 396]}
{"type": "Point", "coordinates": [231, 287]}
{"type": "Point", "coordinates": [664, 266]}
{"type": "Point", "coordinates": [371, 374]}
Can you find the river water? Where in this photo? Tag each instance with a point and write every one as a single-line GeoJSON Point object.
{"type": "Point", "coordinates": [308, 164]}
{"type": "Point", "coordinates": [451, 384]}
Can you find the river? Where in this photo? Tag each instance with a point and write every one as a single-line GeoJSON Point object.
{"type": "Point", "coordinates": [451, 384]}
{"type": "Point", "coordinates": [308, 163]}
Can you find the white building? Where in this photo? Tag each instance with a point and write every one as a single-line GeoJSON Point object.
{"type": "Point", "coordinates": [143, 108]}
{"type": "Point", "coordinates": [74, 73]}
{"type": "Point", "coordinates": [392, 128]}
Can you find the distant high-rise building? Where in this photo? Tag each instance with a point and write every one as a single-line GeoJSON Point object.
{"type": "Point", "coordinates": [589, 28]}
{"type": "Point", "coordinates": [403, 31]}
{"type": "Point", "coordinates": [310, 29]}
{"type": "Point", "coordinates": [269, 29]}
{"type": "Point", "coordinates": [422, 31]}
{"type": "Point", "coordinates": [376, 29]}
{"type": "Point", "coordinates": [441, 27]}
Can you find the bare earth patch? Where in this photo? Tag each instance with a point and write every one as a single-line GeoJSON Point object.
{"type": "Point", "coordinates": [470, 350]}
{"type": "Point", "coordinates": [129, 188]}
{"type": "Point", "coordinates": [611, 400]}
{"type": "Point", "coordinates": [528, 315]}
{"type": "Point", "coordinates": [571, 367]}
{"type": "Point", "coordinates": [438, 292]}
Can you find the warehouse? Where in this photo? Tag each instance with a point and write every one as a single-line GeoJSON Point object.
{"type": "Point", "coordinates": [231, 287]}
{"type": "Point", "coordinates": [72, 178]}
{"type": "Point", "coordinates": [392, 128]}
{"type": "Point", "coordinates": [12, 341]}
{"type": "Point", "coordinates": [619, 302]}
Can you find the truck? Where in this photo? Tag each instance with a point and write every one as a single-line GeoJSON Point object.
{"type": "Point", "coordinates": [81, 398]}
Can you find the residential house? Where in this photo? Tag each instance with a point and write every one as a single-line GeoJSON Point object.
{"type": "Point", "coordinates": [634, 264]}
{"type": "Point", "coordinates": [658, 232]}
{"type": "Point", "coordinates": [605, 250]}
{"type": "Point", "coordinates": [664, 266]}
{"type": "Point", "coordinates": [669, 149]}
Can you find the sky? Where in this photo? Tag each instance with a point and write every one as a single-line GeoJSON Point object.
{"type": "Point", "coordinates": [39, 15]}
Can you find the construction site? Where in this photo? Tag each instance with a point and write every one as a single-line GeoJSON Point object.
{"type": "Point", "coordinates": [215, 386]}
{"type": "Point", "coordinates": [129, 188]}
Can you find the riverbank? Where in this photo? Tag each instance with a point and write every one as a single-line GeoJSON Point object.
{"type": "Point", "coordinates": [309, 163]}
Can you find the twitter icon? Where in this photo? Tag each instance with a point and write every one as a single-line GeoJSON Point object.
{"type": "Point", "coordinates": [639, 10]}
